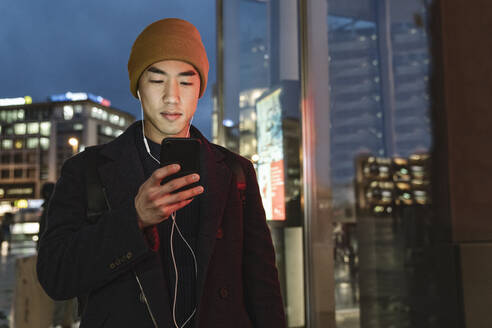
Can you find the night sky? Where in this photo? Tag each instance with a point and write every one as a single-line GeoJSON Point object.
{"type": "Point", "coordinates": [51, 47]}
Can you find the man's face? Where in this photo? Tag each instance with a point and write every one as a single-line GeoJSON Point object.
{"type": "Point", "coordinates": [169, 92]}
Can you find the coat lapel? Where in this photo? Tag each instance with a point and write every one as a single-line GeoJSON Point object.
{"type": "Point", "coordinates": [123, 175]}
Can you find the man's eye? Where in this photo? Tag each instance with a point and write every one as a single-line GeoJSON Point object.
{"type": "Point", "coordinates": [155, 81]}
{"type": "Point", "coordinates": [186, 83]}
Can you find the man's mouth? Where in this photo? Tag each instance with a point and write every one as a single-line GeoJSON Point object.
{"type": "Point", "coordinates": [171, 116]}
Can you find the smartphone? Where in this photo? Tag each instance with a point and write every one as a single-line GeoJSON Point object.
{"type": "Point", "coordinates": [182, 151]}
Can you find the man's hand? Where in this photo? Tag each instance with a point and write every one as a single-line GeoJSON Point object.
{"type": "Point", "coordinates": [155, 203]}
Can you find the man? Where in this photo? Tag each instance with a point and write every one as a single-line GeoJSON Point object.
{"type": "Point", "coordinates": [197, 258]}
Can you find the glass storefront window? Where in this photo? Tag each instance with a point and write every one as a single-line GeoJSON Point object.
{"type": "Point", "coordinates": [260, 119]}
{"type": "Point", "coordinates": [45, 128]}
{"type": "Point", "coordinates": [33, 128]}
{"type": "Point", "coordinates": [380, 138]}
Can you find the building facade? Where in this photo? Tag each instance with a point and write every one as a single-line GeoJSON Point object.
{"type": "Point", "coordinates": [36, 138]}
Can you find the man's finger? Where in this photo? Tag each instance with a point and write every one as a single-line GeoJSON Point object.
{"type": "Point", "coordinates": [185, 194]}
{"type": "Point", "coordinates": [163, 172]}
{"type": "Point", "coordinates": [171, 199]}
{"type": "Point", "coordinates": [178, 183]}
{"type": "Point", "coordinates": [177, 206]}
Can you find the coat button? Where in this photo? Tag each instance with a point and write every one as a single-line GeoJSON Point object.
{"type": "Point", "coordinates": [129, 255]}
{"type": "Point", "coordinates": [112, 266]}
{"type": "Point", "coordinates": [141, 297]}
{"type": "Point", "coordinates": [224, 292]}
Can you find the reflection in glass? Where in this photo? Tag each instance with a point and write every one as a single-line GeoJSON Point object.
{"type": "Point", "coordinates": [379, 104]}
{"type": "Point", "coordinates": [261, 98]}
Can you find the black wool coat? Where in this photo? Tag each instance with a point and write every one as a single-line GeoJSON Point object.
{"type": "Point", "coordinates": [237, 283]}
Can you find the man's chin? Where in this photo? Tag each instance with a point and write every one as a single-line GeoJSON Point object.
{"type": "Point", "coordinates": [174, 133]}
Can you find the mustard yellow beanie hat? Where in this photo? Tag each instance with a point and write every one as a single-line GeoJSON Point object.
{"type": "Point", "coordinates": [168, 39]}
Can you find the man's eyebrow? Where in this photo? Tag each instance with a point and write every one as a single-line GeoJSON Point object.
{"type": "Point", "coordinates": [158, 71]}
{"type": "Point", "coordinates": [187, 73]}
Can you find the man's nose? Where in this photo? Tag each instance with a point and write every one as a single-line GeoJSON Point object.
{"type": "Point", "coordinates": [171, 95]}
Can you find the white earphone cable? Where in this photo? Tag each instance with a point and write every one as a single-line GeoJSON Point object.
{"type": "Point", "coordinates": [173, 217]}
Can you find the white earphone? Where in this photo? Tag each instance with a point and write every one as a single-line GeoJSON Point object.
{"type": "Point", "coordinates": [173, 217]}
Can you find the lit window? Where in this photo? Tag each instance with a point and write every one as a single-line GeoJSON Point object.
{"type": "Point", "coordinates": [107, 131]}
{"type": "Point", "coordinates": [33, 128]}
{"type": "Point", "coordinates": [32, 143]}
{"type": "Point", "coordinates": [44, 143]}
{"type": "Point", "coordinates": [78, 109]}
{"type": "Point", "coordinates": [21, 114]}
{"type": "Point", "coordinates": [45, 128]}
{"type": "Point", "coordinates": [10, 116]}
{"type": "Point", "coordinates": [116, 132]}
{"type": "Point", "coordinates": [20, 128]}
{"type": "Point", "coordinates": [104, 115]}
{"type": "Point", "coordinates": [114, 119]}
{"type": "Point", "coordinates": [19, 144]}
{"type": "Point", "coordinates": [67, 112]}
{"type": "Point", "coordinates": [7, 144]}
{"type": "Point", "coordinates": [78, 127]}
{"type": "Point", "coordinates": [3, 115]}
{"type": "Point", "coordinates": [96, 113]}
{"type": "Point", "coordinates": [122, 121]}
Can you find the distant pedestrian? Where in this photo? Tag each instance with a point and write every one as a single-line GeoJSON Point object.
{"type": "Point", "coordinates": [7, 221]}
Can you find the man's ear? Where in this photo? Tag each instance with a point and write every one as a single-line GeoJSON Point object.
{"type": "Point", "coordinates": [138, 94]}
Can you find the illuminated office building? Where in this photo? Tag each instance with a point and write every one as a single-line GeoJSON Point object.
{"type": "Point", "coordinates": [36, 138]}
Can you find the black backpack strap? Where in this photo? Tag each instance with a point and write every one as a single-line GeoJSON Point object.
{"type": "Point", "coordinates": [97, 202]}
